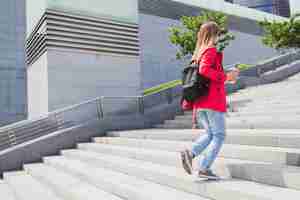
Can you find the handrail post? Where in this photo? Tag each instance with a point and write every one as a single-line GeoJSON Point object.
{"type": "Point", "coordinates": [12, 138]}
{"type": "Point", "coordinates": [169, 96]}
{"type": "Point", "coordinates": [140, 103]}
{"type": "Point", "coordinates": [59, 119]}
{"type": "Point", "coordinates": [100, 108]}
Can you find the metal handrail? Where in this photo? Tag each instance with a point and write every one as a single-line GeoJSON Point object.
{"type": "Point", "coordinates": [32, 128]}
{"type": "Point", "coordinates": [45, 116]}
{"type": "Point", "coordinates": [23, 131]}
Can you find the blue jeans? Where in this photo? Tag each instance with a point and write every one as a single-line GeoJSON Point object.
{"type": "Point", "coordinates": [214, 124]}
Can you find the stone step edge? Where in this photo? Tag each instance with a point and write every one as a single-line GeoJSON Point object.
{"type": "Point", "coordinates": [166, 175]}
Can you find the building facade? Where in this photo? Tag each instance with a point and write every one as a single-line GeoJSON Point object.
{"type": "Point", "coordinates": [282, 8]}
{"type": "Point", "coordinates": [78, 51]}
{"type": "Point", "coordinates": [12, 61]}
{"type": "Point", "coordinates": [295, 6]}
{"type": "Point", "coordinates": [277, 7]}
{"type": "Point", "coordinates": [158, 60]}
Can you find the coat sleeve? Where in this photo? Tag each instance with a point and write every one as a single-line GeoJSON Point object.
{"type": "Point", "coordinates": [206, 66]}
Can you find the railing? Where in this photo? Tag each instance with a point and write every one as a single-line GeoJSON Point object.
{"type": "Point", "coordinates": [95, 109]}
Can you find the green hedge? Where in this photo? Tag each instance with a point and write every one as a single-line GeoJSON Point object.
{"type": "Point", "coordinates": [174, 83]}
{"type": "Point", "coordinates": [244, 66]}
{"type": "Point", "coordinates": [161, 87]}
{"type": "Point", "coordinates": [231, 88]}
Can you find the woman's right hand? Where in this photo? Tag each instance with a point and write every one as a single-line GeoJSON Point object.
{"type": "Point", "coordinates": [232, 75]}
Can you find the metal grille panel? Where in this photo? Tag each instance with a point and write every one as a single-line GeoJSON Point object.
{"type": "Point", "coordinates": [63, 30]}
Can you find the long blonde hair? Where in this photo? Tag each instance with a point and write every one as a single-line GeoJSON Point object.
{"type": "Point", "coordinates": [206, 37]}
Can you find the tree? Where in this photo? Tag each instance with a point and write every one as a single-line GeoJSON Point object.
{"type": "Point", "coordinates": [282, 35]}
{"type": "Point", "coordinates": [185, 36]}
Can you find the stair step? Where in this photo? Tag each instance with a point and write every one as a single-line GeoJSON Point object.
{"type": "Point", "coordinates": [250, 123]}
{"type": "Point", "coordinates": [263, 172]}
{"type": "Point", "coordinates": [245, 119]}
{"type": "Point", "coordinates": [288, 102]}
{"type": "Point", "coordinates": [281, 156]}
{"type": "Point", "coordinates": [155, 156]}
{"type": "Point", "coordinates": [266, 107]}
{"type": "Point", "coordinates": [253, 113]}
{"type": "Point", "coordinates": [285, 138]}
{"type": "Point", "coordinates": [244, 100]}
{"type": "Point", "coordinates": [172, 126]}
{"type": "Point", "coordinates": [6, 192]}
{"type": "Point", "coordinates": [275, 99]}
{"type": "Point", "coordinates": [66, 185]}
{"type": "Point", "coordinates": [25, 187]}
{"type": "Point", "coordinates": [271, 89]}
{"type": "Point", "coordinates": [125, 186]}
{"type": "Point", "coordinates": [259, 92]}
{"type": "Point", "coordinates": [287, 113]}
{"type": "Point", "coordinates": [260, 110]}
{"type": "Point", "coordinates": [172, 177]}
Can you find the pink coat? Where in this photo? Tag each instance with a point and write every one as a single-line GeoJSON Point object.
{"type": "Point", "coordinates": [211, 67]}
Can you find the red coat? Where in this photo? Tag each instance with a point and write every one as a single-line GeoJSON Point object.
{"type": "Point", "coordinates": [211, 67]}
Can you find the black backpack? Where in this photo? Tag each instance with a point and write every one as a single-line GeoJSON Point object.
{"type": "Point", "coordinates": [194, 84]}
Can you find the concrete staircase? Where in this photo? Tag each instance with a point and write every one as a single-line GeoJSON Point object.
{"type": "Point", "coordinates": [270, 106]}
{"type": "Point", "coordinates": [260, 160]}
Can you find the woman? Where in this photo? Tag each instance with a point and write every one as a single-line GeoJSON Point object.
{"type": "Point", "coordinates": [209, 110]}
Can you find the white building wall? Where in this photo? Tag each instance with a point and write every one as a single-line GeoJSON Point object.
{"type": "Point", "coordinates": [37, 87]}
{"type": "Point", "coordinates": [124, 10]}
{"type": "Point", "coordinates": [232, 9]}
{"type": "Point", "coordinates": [295, 6]}
{"type": "Point", "coordinates": [76, 76]}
